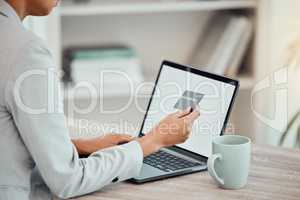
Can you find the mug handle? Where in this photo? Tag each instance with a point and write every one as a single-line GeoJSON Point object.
{"type": "Point", "coordinates": [211, 168]}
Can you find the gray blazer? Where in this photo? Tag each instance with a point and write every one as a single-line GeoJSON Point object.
{"type": "Point", "coordinates": [37, 157]}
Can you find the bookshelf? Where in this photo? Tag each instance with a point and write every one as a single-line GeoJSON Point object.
{"type": "Point", "coordinates": [69, 13]}
{"type": "Point", "coordinates": [100, 8]}
{"type": "Point", "coordinates": [145, 27]}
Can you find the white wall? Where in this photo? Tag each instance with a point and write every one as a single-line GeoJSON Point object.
{"type": "Point", "coordinates": [282, 27]}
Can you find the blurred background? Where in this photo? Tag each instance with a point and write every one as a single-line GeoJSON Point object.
{"type": "Point", "coordinates": [254, 41]}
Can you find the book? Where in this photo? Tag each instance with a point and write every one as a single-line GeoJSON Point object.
{"type": "Point", "coordinates": [208, 44]}
{"type": "Point", "coordinates": [224, 44]}
{"type": "Point", "coordinates": [241, 49]}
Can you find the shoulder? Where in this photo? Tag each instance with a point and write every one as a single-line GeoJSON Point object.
{"type": "Point", "coordinates": [17, 40]}
{"type": "Point", "coordinates": [23, 42]}
{"type": "Point", "coordinates": [33, 54]}
{"type": "Point", "coordinates": [32, 74]}
{"type": "Point", "coordinates": [21, 53]}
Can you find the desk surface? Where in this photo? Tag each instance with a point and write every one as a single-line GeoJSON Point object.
{"type": "Point", "coordinates": [275, 174]}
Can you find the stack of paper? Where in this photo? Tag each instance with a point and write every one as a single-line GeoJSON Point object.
{"type": "Point", "coordinates": [109, 70]}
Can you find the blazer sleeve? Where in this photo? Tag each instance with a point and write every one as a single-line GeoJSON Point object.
{"type": "Point", "coordinates": [33, 99]}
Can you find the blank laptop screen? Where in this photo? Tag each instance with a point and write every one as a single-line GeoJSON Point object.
{"type": "Point", "coordinates": [177, 89]}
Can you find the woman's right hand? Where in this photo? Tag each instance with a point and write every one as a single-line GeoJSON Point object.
{"type": "Point", "coordinates": [173, 129]}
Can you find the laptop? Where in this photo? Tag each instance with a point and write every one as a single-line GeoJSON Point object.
{"type": "Point", "coordinates": [176, 88]}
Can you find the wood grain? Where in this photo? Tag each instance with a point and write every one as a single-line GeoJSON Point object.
{"type": "Point", "coordinates": [274, 174]}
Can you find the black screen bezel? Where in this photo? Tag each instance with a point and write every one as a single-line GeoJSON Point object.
{"type": "Point", "coordinates": [198, 72]}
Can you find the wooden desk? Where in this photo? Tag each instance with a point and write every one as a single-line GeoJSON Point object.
{"type": "Point", "coordinates": [275, 174]}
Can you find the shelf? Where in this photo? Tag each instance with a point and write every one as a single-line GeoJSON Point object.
{"type": "Point", "coordinates": [96, 8]}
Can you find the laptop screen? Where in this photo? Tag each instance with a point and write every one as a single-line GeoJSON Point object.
{"type": "Point", "coordinates": [176, 89]}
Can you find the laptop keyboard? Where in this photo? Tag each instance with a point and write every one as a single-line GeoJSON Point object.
{"type": "Point", "coordinates": [168, 162]}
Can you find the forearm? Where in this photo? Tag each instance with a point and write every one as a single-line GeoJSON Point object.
{"type": "Point", "coordinates": [81, 146]}
{"type": "Point", "coordinates": [100, 169]}
{"type": "Point", "coordinates": [149, 144]}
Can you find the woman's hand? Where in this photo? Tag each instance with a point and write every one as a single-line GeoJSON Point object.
{"type": "Point", "coordinates": [173, 129]}
{"type": "Point", "coordinates": [87, 146]}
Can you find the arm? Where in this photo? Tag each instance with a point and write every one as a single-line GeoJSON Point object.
{"type": "Point", "coordinates": [45, 134]}
{"type": "Point", "coordinates": [87, 146]}
{"type": "Point", "coordinates": [172, 130]}
{"type": "Point", "coordinates": [35, 105]}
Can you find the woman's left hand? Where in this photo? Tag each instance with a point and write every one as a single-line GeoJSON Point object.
{"type": "Point", "coordinates": [87, 146]}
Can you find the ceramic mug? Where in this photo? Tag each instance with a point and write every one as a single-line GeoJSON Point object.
{"type": "Point", "coordinates": [230, 161]}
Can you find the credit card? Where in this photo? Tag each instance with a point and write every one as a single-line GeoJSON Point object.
{"type": "Point", "coordinates": [188, 99]}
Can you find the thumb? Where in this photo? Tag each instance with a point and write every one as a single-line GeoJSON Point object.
{"type": "Point", "coordinates": [192, 116]}
{"type": "Point", "coordinates": [183, 113]}
{"type": "Point", "coordinates": [123, 138]}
